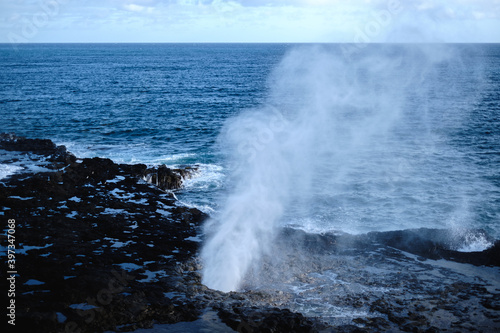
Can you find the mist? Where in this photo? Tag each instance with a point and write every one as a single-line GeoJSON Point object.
{"type": "Point", "coordinates": [346, 142]}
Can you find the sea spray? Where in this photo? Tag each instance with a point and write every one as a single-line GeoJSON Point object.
{"type": "Point", "coordinates": [250, 214]}
{"type": "Point", "coordinates": [326, 115]}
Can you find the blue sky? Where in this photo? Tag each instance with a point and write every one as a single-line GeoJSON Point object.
{"type": "Point", "coordinates": [249, 21]}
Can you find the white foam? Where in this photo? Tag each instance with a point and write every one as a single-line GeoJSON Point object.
{"type": "Point", "coordinates": [8, 170]}
{"type": "Point", "coordinates": [475, 243]}
{"type": "Point", "coordinates": [173, 159]}
{"type": "Point", "coordinates": [20, 198]}
{"type": "Point", "coordinates": [63, 205]}
{"type": "Point", "coordinates": [166, 256]}
{"type": "Point", "coordinates": [198, 191]}
{"type": "Point", "coordinates": [26, 248]}
{"type": "Point", "coordinates": [20, 162]}
{"type": "Point", "coordinates": [121, 194]}
{"type": "Point", "coordinates": [207, 209]}
{"type": "Point", "coordinates": [208, 177]}
{"type": "Point", "coordinates": [114, 211]}
{"type": "Point", "coordinates": [134, 225]}
{"type": "Point", "coordinates": [142, 201]}
{"type": "Point", "coordinates": [72, 215]}
{"type": "Point", "coordinates": [129, 267]}
{"type": "Point", "coordinates": [133, 153]}
{"type": "Point", "coordinates": [117, 179]}
{"type": "Point", "coordinates": [163, 212]}
{"type": "Point", "coordinates": [331, 311]}
{"type": "Point", "coordinates": [153, 276]}
{"type": "Point", "coordinates": [118, 244]}
{"type": "Point", "coordinates": [194, 239]}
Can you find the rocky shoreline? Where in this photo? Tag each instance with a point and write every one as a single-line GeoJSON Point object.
{"type": "Point", "coordinates": [102, 246]}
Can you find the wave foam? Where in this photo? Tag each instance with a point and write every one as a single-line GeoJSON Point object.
{"type": "Point", "coordinates": [8, 170]}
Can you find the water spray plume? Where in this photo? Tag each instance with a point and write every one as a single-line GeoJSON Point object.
{"type": "Point", "coordinates": [325, 114]}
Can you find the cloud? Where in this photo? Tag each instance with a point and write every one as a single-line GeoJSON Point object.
{"type": "Point", "coordinates": [446, 21]}
{"type": "Point", "coordinates": [137, 8]}
{"type": "Point", "coordinates": [253, 20]}
{"type": "Point", "coordinates": [459, 10]}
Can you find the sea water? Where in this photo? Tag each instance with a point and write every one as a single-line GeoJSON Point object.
{"type": "Point", "coordinates": [389, 137]}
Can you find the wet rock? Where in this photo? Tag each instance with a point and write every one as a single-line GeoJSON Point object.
{"type": "Point", "coordinates": [187, 215]}
{"type": "Point", "coordinates": [383, 274]}
{"type": "Point", "coordinates": [43, 147]}
{"type": "Point", "coordinates": [433, 244]}
{"type": "Point", "coordinates": [95, 237]}
{"type": "Point", "coordinates": [112, 252]}
{"type": "Point", "coordinates": [166, 178]}
{"type": "Point", "coordinates": [267, 320]}
{"type": "Point", "coordinates": [493, 304]}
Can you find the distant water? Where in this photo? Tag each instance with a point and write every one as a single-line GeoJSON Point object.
{"type": "Point", "coordinates": [438, 164]}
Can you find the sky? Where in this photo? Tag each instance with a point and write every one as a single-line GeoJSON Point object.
{"type": "Point", "coordinates": [288, 21]}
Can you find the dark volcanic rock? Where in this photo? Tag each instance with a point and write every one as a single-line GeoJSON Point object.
{"type": "Point", "coordinates": [97, 247]}
{"type": "Point", "coordinates": [434, 244]}
{"type": "Point", "coordinates": [427, 243]}
{"type": "Point", "coordinates": [100, 249]}
{"type": "Point", "coordinates": [166, 178]}
{"type": "Point", "coordinates": [255, 319]}
{"type": "Point", "coordinates": [44, 147]}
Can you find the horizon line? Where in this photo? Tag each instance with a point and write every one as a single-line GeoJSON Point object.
{"type": "Point", "coordinates": [275, 42]}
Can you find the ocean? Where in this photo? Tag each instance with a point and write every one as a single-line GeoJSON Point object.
{"type": "Point", "coordinates": [135, 103]}
{"type": "Point", "coordinates": [324, 138]}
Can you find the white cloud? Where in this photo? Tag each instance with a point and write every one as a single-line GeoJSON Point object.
{"type": "Point", "coordinates": [253, 20]}
{"type": "Point", "coordinates": [137, 8]}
